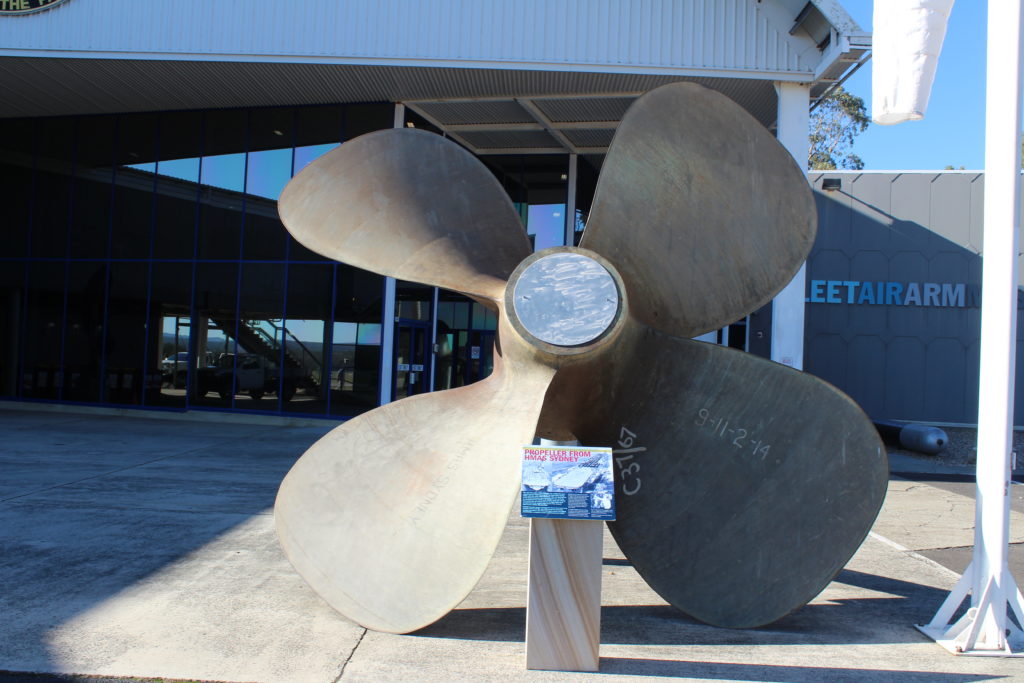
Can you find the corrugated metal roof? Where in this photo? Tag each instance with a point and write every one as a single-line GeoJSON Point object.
{"type": "Point", "coordinates": [507, 140]}
{"type": "Point", "coordinates": [508, 75]}
{"type": "Point", "coordinates": [488, 99]}
{"type": "Point", "coordinates": [729, 35]}
{"type": "Point", "coordinates": [589, 138]}
{"type": "Point", "coordinates": [54, 87]}
{"type": "Point", "coordinates": [590, 109]}
{"type": "Point", "coordinates": [498, 111]}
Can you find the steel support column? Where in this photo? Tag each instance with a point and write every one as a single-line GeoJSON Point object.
{"type": "Point", "coordinates": [788, 306]}
{"type": "Point", "coordinates": [387, 337]}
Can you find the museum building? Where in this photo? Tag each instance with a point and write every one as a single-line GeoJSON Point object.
{"type": "Point", "coordinates": [143, 147]}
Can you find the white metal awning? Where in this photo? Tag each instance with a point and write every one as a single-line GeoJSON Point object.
{"type": "Point", "coordinates": [501, 78]}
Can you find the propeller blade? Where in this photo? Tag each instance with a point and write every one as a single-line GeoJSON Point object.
{"type": "Point", "coordinates": [412, 205]}
{"type": "Point", "coordinates": [703, 212]}
{"type": "Point", "coordinates": [393, 516]}
{"type": "Point", "coordinates": [743, 486]}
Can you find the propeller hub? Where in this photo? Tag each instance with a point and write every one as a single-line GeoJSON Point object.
{"type": "Point", "coordinates": [565, 298]}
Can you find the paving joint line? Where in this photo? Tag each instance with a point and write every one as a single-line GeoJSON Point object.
{"type": "Point", "coordinates": [914, 554]}
{"type": "Point", "coordinates": [75, 418]}
{"type": "Point", "coordinates": [104, 474]}
{"type": "Point", "coordinates": [350, 655]}
{"type": "Point", "coordinates": [266, 512]}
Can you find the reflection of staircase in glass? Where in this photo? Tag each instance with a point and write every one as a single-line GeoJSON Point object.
{"type": "Point", "coordinates": [265, 338]}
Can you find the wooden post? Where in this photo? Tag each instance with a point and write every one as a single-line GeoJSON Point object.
{"type": "Point", "coordinates": [563, 613]}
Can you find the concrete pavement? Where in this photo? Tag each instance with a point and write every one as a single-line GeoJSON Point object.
{"type": "Point", "coordinates": [134, 546]}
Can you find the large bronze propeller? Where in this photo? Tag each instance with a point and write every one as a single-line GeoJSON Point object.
{"type": "Point", "coordinates": [743, 486]}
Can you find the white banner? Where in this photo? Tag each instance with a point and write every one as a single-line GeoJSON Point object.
{"type": "Point", "coordinates": [906, 42]}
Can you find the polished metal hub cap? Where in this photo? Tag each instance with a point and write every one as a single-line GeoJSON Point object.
{"type": "Point", "coordinates": [566, 299]}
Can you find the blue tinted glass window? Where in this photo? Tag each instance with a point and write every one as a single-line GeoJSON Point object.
{"type": "Point", "coordinates": [479, 321]}
{"type": "Point", "coordinates": [546, 222]}
{"type": "Point", "coordinates": [226, 171]}
{"type": "Point", "coordinates": [305, 155]}
{"type": "Point", "coordinates": [369, 333]}
{"type": "Point", "coordinates": [345, 333]}
{"type": "Point", "coordinates": [182, 169]}
{"type": "Point", "coordinates": [268, 172]}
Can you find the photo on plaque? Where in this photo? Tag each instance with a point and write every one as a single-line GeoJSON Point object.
{"type": "Point", "coordinates": [568, 482]}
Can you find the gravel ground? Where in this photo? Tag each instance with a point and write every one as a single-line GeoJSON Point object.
{"type": "Point", "coordinates": [962, 449]}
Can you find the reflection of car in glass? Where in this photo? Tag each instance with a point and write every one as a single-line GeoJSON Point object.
{"type": "Point", "coordinates": [172, 362]}
{"type": "Point", "coordinates": [250, 373]}
{"type": "Point", "coordinates": [175, 368]}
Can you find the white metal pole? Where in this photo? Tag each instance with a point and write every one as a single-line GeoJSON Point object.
{"type": "Point", "coordinates": [998, 319]}
{"type": "Point", "coordinates": [788, 306]}
{"type": "Point", "coordinates": [983, 629]}
{"type": "Point", "coordinates": [387, 337]}
{"type": "Point", "coordinates": [433, 339]}
{"type": "Point", "coordinates": [387, 341]}
{"type": "Point", "coordinates": [570, 203]}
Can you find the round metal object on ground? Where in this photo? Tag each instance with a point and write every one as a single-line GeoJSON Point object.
{"type": "Point", "coordinates": [566, 299]}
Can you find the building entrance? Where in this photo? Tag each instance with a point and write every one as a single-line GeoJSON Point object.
{"type": "Point", "coordinates": [479, 356]}
{"type": "Point", "coordinates": [412, 358]}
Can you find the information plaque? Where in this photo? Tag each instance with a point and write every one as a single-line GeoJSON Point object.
{"type": "Point", "coordinates": [568, 482]}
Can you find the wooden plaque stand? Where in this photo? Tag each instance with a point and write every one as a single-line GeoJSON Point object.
{"type": "Point", "coordinates": [563, 613]}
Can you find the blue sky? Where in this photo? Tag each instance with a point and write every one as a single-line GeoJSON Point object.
{"type": "Point", "coordinates": [952, 132]}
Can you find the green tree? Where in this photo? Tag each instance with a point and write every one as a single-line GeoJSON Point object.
{"type": "Point", "coordinates": [835, 123]}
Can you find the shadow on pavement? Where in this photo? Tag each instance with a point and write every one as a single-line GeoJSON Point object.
{"type": "Point", "coordinates": [888, 618]}
{"type": "Point", "coordinates": [723, 671]}
{"type": "Point", "coordinates": [96, 507]}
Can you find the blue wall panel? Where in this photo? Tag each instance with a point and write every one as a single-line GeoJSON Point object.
{"type": "Point", "coordinates": [907, 348]}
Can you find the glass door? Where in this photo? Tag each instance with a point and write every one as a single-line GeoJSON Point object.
{"type": "Point", "coordinates": [412, 346]}
{"type": "Point", "coordinates": [480, 362]}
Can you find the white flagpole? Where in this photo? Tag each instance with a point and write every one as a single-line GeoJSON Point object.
{"type": "Point", "coordinates": [985, 628]}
